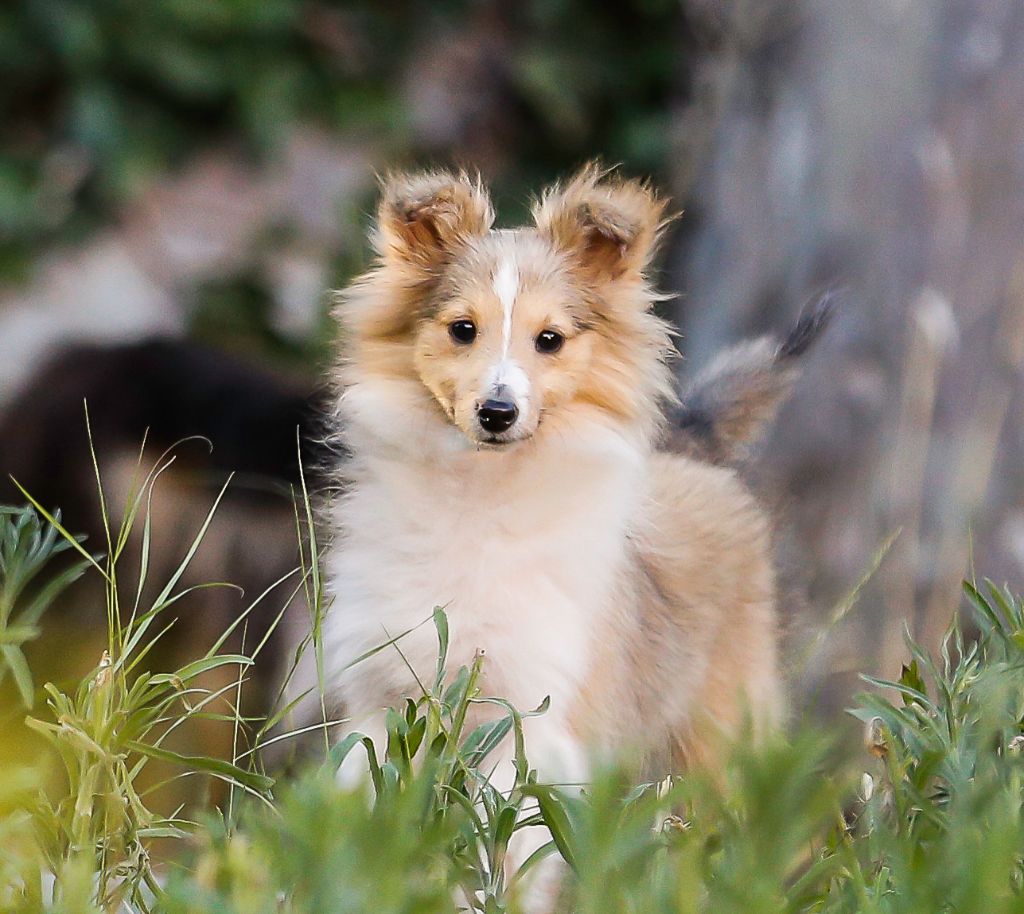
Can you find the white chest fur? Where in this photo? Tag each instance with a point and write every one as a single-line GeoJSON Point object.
{"type": "Point", "coordinates": [522, 549]}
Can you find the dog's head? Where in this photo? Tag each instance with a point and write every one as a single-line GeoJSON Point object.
{"type": "Point", "coordinates": [505, 331]}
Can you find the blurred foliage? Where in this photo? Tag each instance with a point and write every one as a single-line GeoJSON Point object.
{"type": "Point", "coordinates": [99, 97]}
{"type": "Point", "coordinates": [933, 823]}
{"type": "Point", "coordinates": [26, 546]}
{"type": "Point", "coordinates": [928, 818]}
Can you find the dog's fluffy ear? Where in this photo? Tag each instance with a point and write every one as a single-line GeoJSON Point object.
{"type": "Point", "coordinates": [608, 224]}
{"type": "Point", "coordinates": [424, 218]}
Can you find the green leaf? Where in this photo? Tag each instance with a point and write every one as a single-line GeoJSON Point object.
{"type": "Point", "coordinates": [556, 818]}
{"type": "Point", "coordinates": [198, 667]}
{"type": "Point", "coordinates": [910, 677]}
{"type": "Point", "coordinates": [416, 734]}
{"type": "Point", "coordinates": [441, 624]}
{"type": "Point", "coordinates": [485, 739]}
{"type": "Point", "coordinates": [505, 825]}
{"type": "Point", "coordinates": [163, 831]}
{"type": "Point", "coordinates": [217, 767]}
{"type": "Point", "coordinates": [18, 634]}
{"type": "Point", "coordinates": [16, 663]}
{"type": "Point", "coordinates": [49, 593]}
{"type": "Point", "coordinates": [984, 610]}
{"type": "Point", "coordinates": [340, 752]}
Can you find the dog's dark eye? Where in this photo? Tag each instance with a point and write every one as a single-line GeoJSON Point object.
{"type": "Point", "coordinates": [549, 341]}
{"type": "Point", "coordinates": [462, 331]}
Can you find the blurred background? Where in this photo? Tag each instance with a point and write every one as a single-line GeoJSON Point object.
{"type": "Point", "coordinates": [201, 172]}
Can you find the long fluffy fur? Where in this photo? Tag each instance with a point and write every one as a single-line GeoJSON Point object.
{"type": "Point", "coordinates": [631, 584]}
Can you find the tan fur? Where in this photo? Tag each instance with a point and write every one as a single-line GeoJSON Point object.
{"type": "Point", "coordinates": [703, 636]}
{"type": "Point", "coordinates": [614, 224]}
{"type": "Point", "coordinates": [682, 649]}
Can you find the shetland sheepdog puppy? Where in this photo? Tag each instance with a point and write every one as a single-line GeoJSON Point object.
{"type": "Point", "coordinates": [517, 455]}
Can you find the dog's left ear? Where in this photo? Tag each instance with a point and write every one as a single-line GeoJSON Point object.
{"type": "Point", "coordinates": [609, 225]}
{"type": "Point", "coordinates": [425, 218]}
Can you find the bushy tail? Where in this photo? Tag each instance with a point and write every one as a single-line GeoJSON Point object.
{"type": "Point", "coordinates": [728, 405]}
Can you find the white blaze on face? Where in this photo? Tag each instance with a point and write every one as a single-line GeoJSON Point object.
{"type": "Point", "coordinates": [506, 287]}
{"type": "Point", "coordinates": [507, 372]}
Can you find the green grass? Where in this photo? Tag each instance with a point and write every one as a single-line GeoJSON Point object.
{"type": "Point", "coordinates": [926, 818]}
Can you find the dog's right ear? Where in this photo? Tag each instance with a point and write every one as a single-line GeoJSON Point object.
{"type": "Point", "coordinates": [425, 218]}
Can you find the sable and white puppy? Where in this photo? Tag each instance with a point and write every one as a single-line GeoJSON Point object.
{"type": "Point", "coordinates": [503, 400]}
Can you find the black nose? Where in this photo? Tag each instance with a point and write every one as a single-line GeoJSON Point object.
{"type": "Point", "coordinates": [497, 415]}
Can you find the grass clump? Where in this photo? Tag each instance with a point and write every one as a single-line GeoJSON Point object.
{"type": "Point", "coordinates": [927, 818]}
{"type": "Point", "coordinates": [87, 845]}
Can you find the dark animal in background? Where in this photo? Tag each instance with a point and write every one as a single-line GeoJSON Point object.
{"type": "Point", "coordinates": [221, 415]}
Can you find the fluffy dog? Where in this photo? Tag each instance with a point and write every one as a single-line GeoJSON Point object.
{"type": "Point", "coordinates": [505, 400]}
